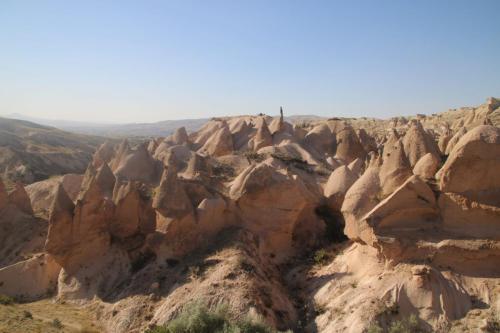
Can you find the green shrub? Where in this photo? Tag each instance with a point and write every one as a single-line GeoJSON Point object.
{"type": "Point", "coordinates": [407, 325]}
{"type": "Point", "coordinates": [197, 318]}
{"type": "Point", "coordinates": [321, 257]}
{"type": "Point", "coordinates": [374, 328]}
{"type": "Point", "coordinates": [6, 300]}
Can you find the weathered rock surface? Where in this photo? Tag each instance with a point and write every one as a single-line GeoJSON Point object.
{"type": "Point", "coordinates": [30, 279]}
{"type": "Point", "coordinates": [471, 184]}
{"type": "Point", "coordinates": [265, 210]}
{"type": "Point", "coordinates": [349, 147]}
{"type": "Point", "coordinates": [427, 166]}
{"type": "Point", "coordinates": [235, 212]}
{"type": "Point", "coordinates": [417, 142]}
{"type": "Point", "coordinates": [338, 183]}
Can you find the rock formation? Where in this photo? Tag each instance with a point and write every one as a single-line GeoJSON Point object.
{"type": "Point", "coordinates": [349, 147]}
{"type": "Point", "coordinates": [417, 142]}
{"type": "Point", "coordinates": [252, 213]}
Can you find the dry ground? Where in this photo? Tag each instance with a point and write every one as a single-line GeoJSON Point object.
{"type": "Point", "coordinates": [15, 319]}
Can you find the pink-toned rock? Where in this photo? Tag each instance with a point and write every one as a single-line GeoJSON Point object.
{"type": "Point", "coordinates": [20, 199]}
{"type": "Point", "coordinates": [470, 181]}
{"type": "Point", "coordinates": [30, 279]}
{"type": "Point", "coordinates": [263, 136]}
{"type": "Point", "coordinates": [348, 146]}
{"type": "Point", "coordinates": [339, 182]}
{"type": "Point", "coordinates": [367, 141]}
{"type": "Point", "coordinates": [395, 168]}
{"type": "Point", "coordinates": [104, 154]}
{"type": "Point", "coordinates": [427, 166]}
{"type": "Point", "coordinates": [218, 144]}
{"type": "Point", "coordinates": [454, 140]}
{"type": "Point", "coordinates": [417, 142]}
{"type": "Point", "coordinates": [133, 212]}
{"type": "Point", "coordinates": [357, 166]}
{"type": "Point", "coordinates": [138, 165]}
{"type": "Point", "coordinates": [265, 210]}
{"type": "Point", "coordinates": [321, 139]}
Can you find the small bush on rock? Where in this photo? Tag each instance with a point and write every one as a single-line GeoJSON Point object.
{"type": "Point", "coordinates": [321, 257]}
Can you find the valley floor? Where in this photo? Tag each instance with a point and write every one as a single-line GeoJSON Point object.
{"type": "Point", "coordinates": [46, 317]}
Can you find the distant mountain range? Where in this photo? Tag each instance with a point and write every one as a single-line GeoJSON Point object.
{"type": "Point", "coordinates": [156, 129]}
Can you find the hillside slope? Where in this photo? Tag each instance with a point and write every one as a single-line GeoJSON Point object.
{"type": "Point", "coordinates": [30, 152]}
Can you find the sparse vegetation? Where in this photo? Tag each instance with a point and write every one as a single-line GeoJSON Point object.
{"type": "Point", "coordinates": [57, 323]}
{"type": "Point", "coordinates": [321, 257]}
{"type": "Point", "coordinates": [36, 317]}
{"type": "Point", "coordinates": [254, 156]}
{"type": "Point", "coordinates": [407, 325]}
{"type": "Point", "coordinates": [493, 325]}
{"type": "Point", "coordinates": [197, 318]}
{"type": "Point", "coordinates": [244, 265]}
{"type": "Point", "coordinates": [194, 271]}
{"type": "Point", "coordinates": [6, 300]}
{"type": "Point", "coordinates": [293, 161]}
{"type": "Point", "coordinates": [223, 171]}
{"type": "Point", "coordinates": [27, 314]}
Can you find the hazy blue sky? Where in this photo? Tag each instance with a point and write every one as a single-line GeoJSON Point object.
{"type": "Point", "coordinates": [145, 61]}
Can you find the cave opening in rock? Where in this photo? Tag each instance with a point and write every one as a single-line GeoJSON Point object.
{"type": "Point", "coordinates": [334, 223]}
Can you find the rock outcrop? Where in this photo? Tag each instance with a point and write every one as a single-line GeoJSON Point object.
{"type": "Point", "coordinates": [264, 210]}
{"type": "Point", "coordinates": [320, 139]}
{"type": "Point", "coordinates": [253, 212]}
{"type": "Point", "coordinates": [348, 146]}
{"type": "Point", "coordinates": [263, 136]}
{"type": "Point", "coordinates": [470, 183]}
{"type": "Point", "coordinates": [427, 166]}
{"type": "Point", "coordinates": [31, 279]}
{"type": "Point", "coordinates": [417, 142]}
{"type": "Point", "coordinates": [220, 143]}
{"type": "Point", "coordinates": [338, 183]}
{"type": "Point", "coordinates": [19, 198]}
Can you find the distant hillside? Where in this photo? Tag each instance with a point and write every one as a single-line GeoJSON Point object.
{"type": "Point", "coordinates": [156, 129]}
{"type": "Point", "coordinates": [30, 152]}
{"type": "Point", "coordinates": [161, 128]}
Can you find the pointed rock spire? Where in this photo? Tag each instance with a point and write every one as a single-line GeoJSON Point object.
{"type": "Point", "coordinates": [105, 181]}
{"type": "Point", "coordinates": [60, 234]}
{"type": "Point", "coordinates": [263, 136]}
{"type": "Point", "coordinates": [417, 142]}
{"type": "Point", "coordinates": [104, 154]}
{"type": "Point", "coordinates": [340, 180]}
{"type": "Point", "coordinates": [220, 143]}
{"type": "Point", "coordinates": [395, 169]}
{"type": "Point", "coordinates": [348, 145]}
{"type": "Point", "coordinates": [171, 199]}
{"type": "Point", "coordinates": [20, 199]}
